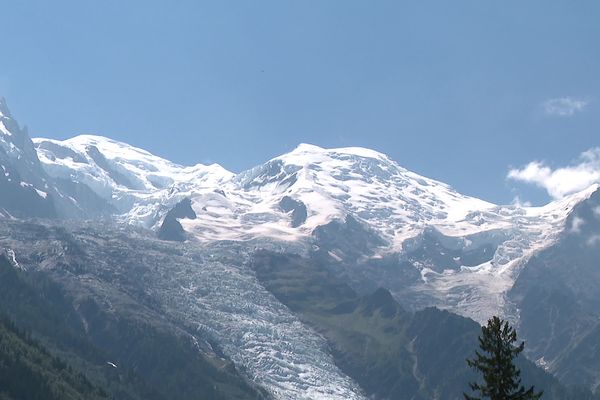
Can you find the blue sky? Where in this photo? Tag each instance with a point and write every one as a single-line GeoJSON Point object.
{"type": "Point", "coordinates": [467, 92]}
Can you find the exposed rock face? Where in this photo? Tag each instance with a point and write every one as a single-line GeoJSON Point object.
{"type": "Point", "coordinates": [348, 239]}
{"type": "Point", "coordinates": [103, 163]}
{"type": "Point", "coordinates": [371, 221]}
{"type": "Point", "coordinates": [87, 293]}
{"type": "Point", "coordinates": [297, 209]}
{"type": "Point", "coordinates": [24, 189]}
{"type": "Point", "coordinates": [204, 305]}
{"type": "Point", "coordinates": [559, 298]}
{"type": "Point", "coordinates": [392, 353]}
{"type": "Point", "coordinates": [171, 229]}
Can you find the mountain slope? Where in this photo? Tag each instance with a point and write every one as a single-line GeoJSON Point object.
{"type": "Point", "coordinates": [557, 293]}
{"type": "Point", "coordinates": [288, 197]}
{"type": "Point", "coordinates": [134, 182]}
{"type": "Point", "coordinates": [392, 353]}
{"type": "Point", "coordinates": [152, 305]}
{"type": "Point", "coordinates": [372, 222]}
{"type": "Point", "coordinates": [28, 191]}
{"type": "Point", "coordinates": [29, 371]}
{"type": "Point", "coordinates": [22, 181]}
{"type": "Point", "coordinates": [126, 346]}
{"type": "Point", "coordinates": [378, 223]}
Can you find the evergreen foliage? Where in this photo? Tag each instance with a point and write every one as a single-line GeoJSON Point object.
{"type": "Point", "coordinates": [29, 371]}
{"type": "Point", "coordinates": [153, 362]}
{"type": "Point", "coordinates": [495, 361]}
{"type": "Point", "coordinates": [390, 352]}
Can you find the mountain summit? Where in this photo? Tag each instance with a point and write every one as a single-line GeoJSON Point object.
{"type": "Point", "coordinates": [351, 203]}
{"type": "Point", "coordinates": [351, 214]}
{"type": "Point", "coordinates": [23, 182]}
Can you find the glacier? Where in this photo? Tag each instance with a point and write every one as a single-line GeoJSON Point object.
{"type": "Point", "coordinates": [280, 205]}
{"type": "Point", "coordinates": [393, 202]}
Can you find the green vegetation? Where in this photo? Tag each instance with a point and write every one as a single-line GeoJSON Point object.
{"type": "Point", "coordinates": [391, 353]}
{"type": "Point", "coordinates": [153, 361]}
{"type": "Point", "coordinates": [374, 340]}
{"type": "Point", "coordinates": [495, 361]}
{"type": "Point", "coordinates": [29, 371]}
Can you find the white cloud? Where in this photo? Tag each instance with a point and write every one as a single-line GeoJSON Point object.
{"type": "Point", "coordinates": [576, 225]}
{"type": "Point", "coordinates": [564, 106]}
{"type": "Point", "coordinates": [593, 240]}
{"type": "Point", "coordinates": [562, 181]}
{"type": "Point", "coordinates": [520, 203]}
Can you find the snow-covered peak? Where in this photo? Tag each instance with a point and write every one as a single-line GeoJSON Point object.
{"type": "Point", "coordinates": [113, 147]}
{"type": "Point", "coordinates": [285, 201]}
{"type": "Point", "coordinates": [330, 184]}
{"type": "Point", "coordinates": [4, 112]}
{"type": "Point", "coordinates": [15, 141]}
{"type": "Point", "coordinates": [562, 207]}
{"type": "Point", "coordinates": [23, 187]}
{"type": "Point", "coordinates": [306, 153]}
{"type": "Point", "coordinates": [134, 181]}
{"type": "Point", "coordinates": [9, 131]}
{"type": "Point", "coordinates": [12, 137]}
{"type": "Point", "coordinates": [125, 165]}
{"type": "Point", "coordinates": [321, 184]}
{"type": "Point", "coordinates": [140, 163]}
{"type": "Point", "coordinates": [370, 185]}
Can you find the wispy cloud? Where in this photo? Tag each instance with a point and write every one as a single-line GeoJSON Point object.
{"type": "Point", "coordinates": [593, 240]}
{"type": "Point", "coordinates": [564, 106]}
{"type": "Point", "coordinates": [561, 181]}
{"type": "Point", "coordinates": [520, 203]}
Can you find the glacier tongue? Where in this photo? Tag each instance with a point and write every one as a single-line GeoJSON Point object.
{"type": "Point", "coordinates": [209, 292]}
{"type": "Point", "coordinates": [281, 204]}
{"type": "Point", "coordinates": [321, 186]}
{"type": "Point", "coordinates": [257, 332]}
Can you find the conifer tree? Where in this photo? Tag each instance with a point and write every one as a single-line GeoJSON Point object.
{"type": "Point", "coordinates": [495, 361]}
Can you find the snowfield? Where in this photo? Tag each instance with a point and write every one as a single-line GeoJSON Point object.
{"type": "Point", "coordinates": [354, 207]}
{"type": "Point", "coordinates": [331, 183]}
{"type": "Point", "coordinates": [280, 205]}
{"type": "Point", "coordinates": [325, 185]}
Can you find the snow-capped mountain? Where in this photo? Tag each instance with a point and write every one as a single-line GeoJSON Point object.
{"type": "Point", "coordinates": [137, 184]}
{"type": "Point", "coordinates": [23, 183]}
{"type": "Point", "coordinates": [372, 222]}
{"type": "Point", "coordinates": [330, 184]}
{"type": "Point", "coordinates": [291, 197]}
{"type": "Point", "coordinates": [327, 183]}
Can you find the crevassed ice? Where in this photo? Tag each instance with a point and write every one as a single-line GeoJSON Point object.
{"type": "Point", "coordinates": [227, 303]}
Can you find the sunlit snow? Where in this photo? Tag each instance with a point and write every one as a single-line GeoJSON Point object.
{"type": "Point", "coordinates": [394, 202]}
